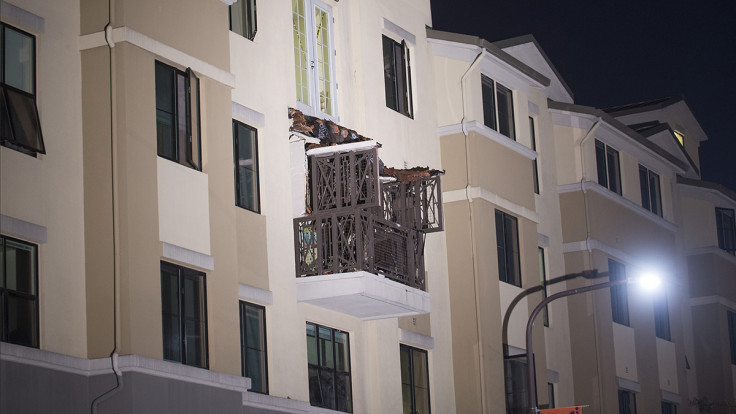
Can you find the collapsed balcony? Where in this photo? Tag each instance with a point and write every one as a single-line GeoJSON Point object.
{"type": "Point", "coordinates": [360, 247]}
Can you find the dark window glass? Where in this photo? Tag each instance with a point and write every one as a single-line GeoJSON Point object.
{"type": "Point", "coordinates": [543, 274]}
{"type": "Point", "coordinates": [253, 346]}
{"type": "Point", "coordinates": [732, 335]}
{"type": "Point", "coordinates": [668, 408]}
{"type": "Point", "coordinates": [608, 165]}
{"type": "Point", "coordinates": [507, 242]}
{"type": "Point", "coordinates": [619, 294]}
{"type": "Point", "coordinates": [551, 394]}
{"type": "Point", "coordinates": [651, 196]}
{"type": "Point", "coordinates": [489, 101]}
{"type": "Point", "coordinates": [626, 402]}
{"type": "Point", "coordinates": [397, 76]}
{"type": "Point", "coordinates": [414, 380]}
{"type": "Point", "coordinates": [516, 385]}
{"type": "Point", "coordinates": [726, 229]}
{"type": "Point", "coordinates": [535, 166]}
{"type": "Point", "coordinates": [245, 142]}
{"type": "Point", "coordinates": [328, 357]}
{"type": "Point", "coordinates": [18, 292]}
{"type": "Point", "coordinates": [21, 127]}
{"type": "Point", "coordinates": [243, 18]}
{"type": "Point", "coordinates": [505, 102]}
{"type": "Point", "coordinates": [184, 315]}
{"type": "Point", "coordinates": [662, 317]}
{"type": "Point", "coordinates": [177, 116]}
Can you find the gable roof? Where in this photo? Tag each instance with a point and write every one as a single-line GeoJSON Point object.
{"type": "Point", "coordinates": [645, 106]}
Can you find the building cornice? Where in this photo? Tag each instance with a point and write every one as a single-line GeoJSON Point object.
{"type": "Point", "coordinates": [475, 126]}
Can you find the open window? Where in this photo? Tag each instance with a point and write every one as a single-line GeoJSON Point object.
{"type": "Point", "coordinates": [397, 76]}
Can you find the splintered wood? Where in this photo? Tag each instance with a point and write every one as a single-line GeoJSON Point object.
{"type": "Point", "coordinates": [328, 132]}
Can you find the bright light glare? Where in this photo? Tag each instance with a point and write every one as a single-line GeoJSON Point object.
{"type": "Point", "coordinates": [649, 281]}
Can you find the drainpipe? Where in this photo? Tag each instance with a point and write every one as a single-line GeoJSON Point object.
{"type": "Point", "coordinates": [590, 133]}
{"type": "Point", "coordinates": [473, 250]}
{"type": "Point", "coordinates": [114, 356]}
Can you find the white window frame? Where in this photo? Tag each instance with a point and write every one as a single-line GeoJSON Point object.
{"type": "Point", "coordinates": [312, 73]}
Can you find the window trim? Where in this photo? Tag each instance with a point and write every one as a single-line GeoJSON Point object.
{"type": "Point", "coordinates": [608, 151]}
{"type": "Point", "coordinates": [313, 107]}
{"type": "Point", "coordinates": [256, 166]}
{"type": "Point", "coordinates": [649, 191]}
{"type": "Point", "coordinates": [495, 89]}
{"type": "Point", "coordinates": [731, 322]}
{"type": "Point", "coordinates": [246, 7]}
{"type": "Point", "coordinates": [5, 336]}
{"type": "Point", "coordinates": [182, 325]}
{"type": "Point", "coordinates": [402, 71]}
{"type": "Point", "coordinates": [188, 140]}
{"type": "Point", "coordinates": [243, 345]}
{"type": "Point", "coordinates": [619, 294]}
{"type": "Point", "coordinates": [14, 143]}
{"type": "Point", "coordinates": [535, 162]}
{"type": "Point", "coordinates": [722, 227]}
{"type": "Point", "coordinates": [504, 276]}
{"type": "Point", "coordinates": [335, 372]}
{"type": "Point", "coordinates": [412, 385]}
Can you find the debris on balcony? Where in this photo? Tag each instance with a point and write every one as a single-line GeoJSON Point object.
{"type": "Point", "coordinates": [410, 175]}
{"type": "Point", "coordinates": [328, 132]}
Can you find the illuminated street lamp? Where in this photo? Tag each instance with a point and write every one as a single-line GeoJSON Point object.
{"type": "Point", "coordinates": [649, 281]}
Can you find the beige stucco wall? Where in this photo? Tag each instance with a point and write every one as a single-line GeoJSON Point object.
{"type": "Point", "coordinates": [47, 190]}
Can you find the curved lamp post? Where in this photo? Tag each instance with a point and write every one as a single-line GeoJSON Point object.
{"type": "Point", "coordinates": [648, 282]}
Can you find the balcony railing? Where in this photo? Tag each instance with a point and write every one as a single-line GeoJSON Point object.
{"type": "Point", "coordinates": [352, 240]}
{"type": "Point", "coordinates": [417, 204]}
{"type": "Point", "coordinates": [343, 180]}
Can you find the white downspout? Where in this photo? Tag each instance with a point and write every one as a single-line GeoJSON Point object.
{"type": "Point", "coordinates": [590, 133]}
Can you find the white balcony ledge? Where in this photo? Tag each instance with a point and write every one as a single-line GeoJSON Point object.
{"type": "Point", "coordinates": [363, 295]}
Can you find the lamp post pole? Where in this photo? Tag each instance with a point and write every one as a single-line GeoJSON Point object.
{"type": "Point", "coordinates": [531, 369]}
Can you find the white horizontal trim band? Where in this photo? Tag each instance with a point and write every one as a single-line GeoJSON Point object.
{"type": "Point", "coordinates": [712, 250]}
{"type": "Point", "coordinates": [22, 229]}
{"type": "Point", "coordinates": [712, 300]}
{"type": "Point", "coordinates": [477, 192]}
{"type": "Point", "coordinates": [125, 34]}
{"type": "Point", "coordinates": [407, 337]}
{"type": "Point", "coordinates": [254, 294]}
{"type": "Point", "coordinates": [475, 126]}
{"type": "Point", "coordinates": [580, 246]}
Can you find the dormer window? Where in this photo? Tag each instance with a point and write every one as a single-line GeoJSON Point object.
{"type": "Point", "coordinates": [680, 137]}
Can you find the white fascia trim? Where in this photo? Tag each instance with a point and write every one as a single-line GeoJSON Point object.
{"type": "Point", "coordinates": [414, 339]}
{"type": "Point", "coordinates": [272, 403]}
{"type": "Point", "coordinates": [620, 200]}
{"type": "Point", "coordinates": [707, 194]}
{"type": "Point", "coordinates": [671, 397]}
{"type": "Point", "coordinates": [712, 250]}
{"type": "Point", "coordinates": [399, 31]}
{"type": "Point", "coordinates": [229, 2]}
{"type": "Point", "coordinates": [254, 294]}
{"type": "Point", "coordinates": [248, 116]}
{"type": "Point", "coordinates": [125, 34]}
{"type": "Point", "coordinates": [490, 134]}
{"type": "Point", "coordinates": [127, 363]}
{"type": "Point", "coordinates": [21, 18]}
{"type": "Point", "coordinates": [542, 240]}
{"type": "Point", "coordinates": [629, 384]}
{"type": "Point", "coordinates": [190, 257]}
{"type": "Point", "coordinates": [477, 192]}
{"type": "Point", "coordinates": [11, 226]}
{"type": "Point", "coordinates": [353, 146]}
{"type": "Point", "coordinates": [581, 246]}
{"type": "Point", "coordinates": [712, 300]}
{"type": "Point", "coordinates": [553, 376]}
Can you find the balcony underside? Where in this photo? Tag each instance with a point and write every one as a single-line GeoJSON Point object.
{"type": "Point", "coordinates": [363, 295]}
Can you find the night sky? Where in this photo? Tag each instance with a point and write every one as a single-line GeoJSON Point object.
{"type": "Point", "coordinates": [614, 53]}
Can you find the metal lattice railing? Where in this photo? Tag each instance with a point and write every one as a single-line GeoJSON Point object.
{"type": "Point", "coordinates": [417, 205]}
{"type": "Point", "coordinates": [343, 180]}
{"type": "Point", "coordinates": [352, 240]}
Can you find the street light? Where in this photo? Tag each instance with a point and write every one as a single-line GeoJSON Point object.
{"type": "Point", "coordinates": [648, 280]}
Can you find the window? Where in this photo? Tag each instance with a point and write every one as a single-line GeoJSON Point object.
{"type": "Point", "coordinates": [680, 137]}
{"type": "Point", "coordinates": [651, 196]}
{"type": "Point", "coordinates": [515, 384]}
{"type": "Point", "coordinates": [668, 408]}
{"type": "Point", "coordinates": [414, 380]}
{"type": "Point", "coordinates": [313, 52]}
{"type": "Point", "coordinates": [245, 149]}
{"type": "Point", "coordinates": [18, 292]}
{"type": "Point", "coordinates": [20, 127]}
{"type": "Point", "coordinates": [726, 229]}
{"type": "Point", "coordinates": [243, 18]}
{"type": "Point", "coordinates": [184, 315]}
{"type": "Point", "coordinates": [397, 76]}
{"type": "Point", "coordinates": [551, 394]}
{"type": "Point", "coordinates": [328, 354]}
{"type": "Point", "coordinates": [253, 346]}
{"type": "Point", "coordinates": [609, 173]}
{"type": "Point", "coordinates": [507, 242]}
{"type": "Point", "coordinates": [498, 107]}
{"type": "Point", "coordinates": [535, 166]}
{"type": "Point", "coordinates": [732, 335]}
{"type": "Point", "coordinates": [543, 274]}
{"type": "Point", "coordinates": [626, 402]}
{"type": "Point", "coordinates": [619, 294]}
{"type": "Point", "coordinates": [662, 317]}
{"type": "Point", "coordinates": [177, 116]}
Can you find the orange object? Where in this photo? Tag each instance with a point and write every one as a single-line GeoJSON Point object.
{"type": "Point", "coordinates": [564, 410]}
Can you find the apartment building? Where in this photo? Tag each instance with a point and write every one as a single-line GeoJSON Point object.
{"type": "Point", "coordinates": [320, 206]}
